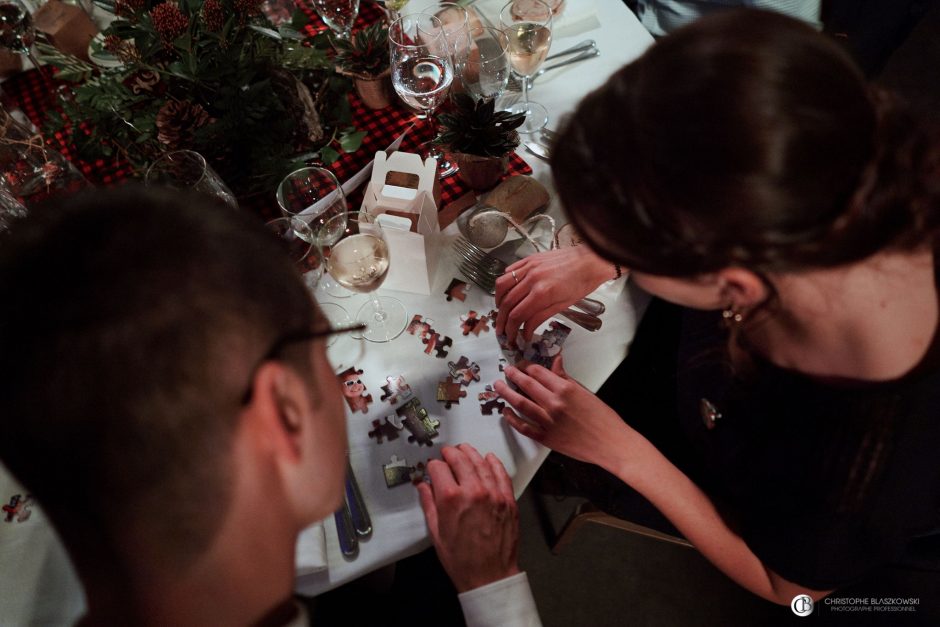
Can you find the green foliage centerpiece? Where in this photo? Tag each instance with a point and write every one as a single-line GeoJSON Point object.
{"type": "Point", "coordinates": [212, 76]}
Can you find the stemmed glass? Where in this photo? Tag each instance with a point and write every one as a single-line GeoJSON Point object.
{"type": "Point", "coordinates": [314, 195]}
{"type": "Point", "coordinates": [297, 239]}
{"type": "Point", "coordinates": [187, 169]}
{"type": "Point", "coordinates": [485, 72]}
{"type": "Point", "coordinates": [528, 24]}
{"type": "Point", "coordinates": [422, 70]}
{"type": "Point", "coordinates": [358, 258]}
{"type": "Point", "coordinates": [17, 33]}
{"type": "Point", "coordinates": [339, 15]}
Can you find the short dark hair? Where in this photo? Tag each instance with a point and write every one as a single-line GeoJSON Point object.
{"type": "Point", "coordinates": [130, 322]}
{"type": "Point", "coordinates": [746, 138]}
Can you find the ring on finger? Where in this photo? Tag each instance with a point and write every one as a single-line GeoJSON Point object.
{"type": "Point", "coordinates": [514, 277]}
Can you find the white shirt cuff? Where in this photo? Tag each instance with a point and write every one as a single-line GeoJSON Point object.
{"type": "Point", "coordinates": [506, 603]}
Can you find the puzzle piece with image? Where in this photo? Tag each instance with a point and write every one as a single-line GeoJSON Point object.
{"type": "Point", "coordinates": [457, 289]}
{"type": "Point", "coordinates": [398, 472]}
{"type": "Point", "coordinates": [415, 418]}
{"type": "Point", "coordinates": [472, 322]}
{"type": "Point", "coordinates": [354, 390]}
{"type": "Point", "coordinates": [464, 371]}
{"type": "Point", "coordinates": [420, 326]}
{"type": "Point", "coordinates": [490, 400]}
{"type": "Point", "coordinates": [543, 349]}
{"type": "Point", "coordinates": [387, 429]}
{"type": "Point", "coordinates": [512, 352]}
{"type": "Point", "coordinates": [396, 389]}
{"type": "Point", "coordinates": [438, 343]}
{"type": "Point", "coordinates": [449, 392]}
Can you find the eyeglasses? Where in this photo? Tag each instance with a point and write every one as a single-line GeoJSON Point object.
{"type": "Point", "coordinates": [282, 342]}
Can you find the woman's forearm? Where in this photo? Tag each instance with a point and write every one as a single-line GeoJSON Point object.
{"type": "Point", "coordinates": [691, 511]}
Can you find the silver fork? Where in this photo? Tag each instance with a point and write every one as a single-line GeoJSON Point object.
{"type": "Point", "coordinates": [483, 269]}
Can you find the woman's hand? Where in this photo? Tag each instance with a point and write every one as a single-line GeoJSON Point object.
{"type": "Point", "coordinates": [557, 411]}
{"type": "Point", "coordinates": [536, 288]}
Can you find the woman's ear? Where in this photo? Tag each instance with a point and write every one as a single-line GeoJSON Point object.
{"type": "Point", "coordinates": [742, 289]}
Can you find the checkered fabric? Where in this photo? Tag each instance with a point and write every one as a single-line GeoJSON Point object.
{"type": "Point", "coordinates": [28, 92]}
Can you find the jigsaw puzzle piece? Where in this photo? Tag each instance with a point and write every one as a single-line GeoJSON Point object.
{"type": "Point", "coordinates": [457, 289]}
{"type": "Point", "coordinates": [396, 389]}
{"type": "Point", "coordinates": [449, 392]}
{"type": "Point", "coordinates": [490, 400]}
{"type": "Point", "coordinates": [438, 343]}
{"type": "Point", "coordinates": [419, 326]}
{"type": "Point", "coordinates": [464, 371]}
{"type": "Point", "coordinates": [415, 418]}
{"type": "Point", "coordinates": [397, 472]}
{"type": "Point", "coordinates": [386, 429]}
{"type": "Point", "coordinates": [354, 390]}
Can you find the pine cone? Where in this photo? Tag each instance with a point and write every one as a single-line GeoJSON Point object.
{"type": "Point", "coordinates": [177, 122]}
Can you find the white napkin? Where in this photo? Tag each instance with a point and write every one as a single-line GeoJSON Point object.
{"type": "Point", "coordinates": [311, 549]}
{"type": "Point", "coordinates": [578, 16]}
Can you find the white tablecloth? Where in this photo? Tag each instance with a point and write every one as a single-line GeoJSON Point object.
{"type": "Point", "coordinates": [398, 525]}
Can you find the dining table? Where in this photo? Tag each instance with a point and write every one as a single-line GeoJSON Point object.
{"type": "Point", "coordinates": [398, 525]}
{"type": "Point", "coordinates": [377, 371]}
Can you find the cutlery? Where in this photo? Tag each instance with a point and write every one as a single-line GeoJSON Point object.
{"type": "Point", "coordinates": [361, 521]}
{"type": "Point", "coordinates": [515, 83]}
{"type": "Point", "coordinates": [536, 150]}
{"type": "Point", "coordinates": [345, 532]}
{"type": "Point", "coordinates": [483, 269]}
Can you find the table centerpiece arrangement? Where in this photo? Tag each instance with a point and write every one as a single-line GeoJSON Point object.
{"type": "Point", "coordinates": [212, 76]}
{"type": "Point", "coordinates": [479, 138]}
{"type": "Point", "coordinates": [365, 58]}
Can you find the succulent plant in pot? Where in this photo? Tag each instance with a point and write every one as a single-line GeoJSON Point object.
{"type": "Point", "coordinates": [365, 58]}
{"type": "Point", "coordinates": [480, 139]}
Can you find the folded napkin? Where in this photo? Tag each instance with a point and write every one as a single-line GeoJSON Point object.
{"type": "Point", "coordinates": [311, 550]}
{"type": "Point", "coordinates": [577, 16]}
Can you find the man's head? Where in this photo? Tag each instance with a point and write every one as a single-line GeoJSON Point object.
{"type": "Point", "coordinates": [137, 331]}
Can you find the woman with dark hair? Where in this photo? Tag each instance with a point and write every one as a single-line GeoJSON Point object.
{"type": "Point", "coordinates": [743, 170]}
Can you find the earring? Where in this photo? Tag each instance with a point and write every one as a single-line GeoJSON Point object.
{"type": "Point", "coordinates": [731, 316]}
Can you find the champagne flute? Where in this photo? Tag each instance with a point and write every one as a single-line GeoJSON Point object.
{"type": "Point", "coordinates": [358, 258]}
{"type": "Point", "coordinates": [187, 169]}
{"type": "Point", "coordinates": [339, 15]}
{"type": "Point", "coordinates": [314, 195]}
{"type": "Point", "coordinates": [422, 71]}
{"type": "Point", "coordinates": [528, 24]}
{"type": "Point", "coordinates": [485, 72]}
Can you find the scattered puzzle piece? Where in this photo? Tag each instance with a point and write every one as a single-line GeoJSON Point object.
{"type": "Point", "coordinates": [415, 418]}
{"type": "Point", "coordinates": [457, 289]}
{"type": "Point", "coordinates": [490, 400]}
{"type": "Point", "coordinates": [388, 429]}
{"type": "Point", "coordinates": [354, 390]}
{"type": "Point", "coordinates": [469, 322]}
{"type": "Point", "coordinates": [440, 344]}
{"type": "Point", "coordinates": [419, 326]}
{"type": "Point", "coordinates": [397, 471]}
{"type": "Point", "coordinates": [449, 392]}
{"type": "Point", "coordinates": [396, 389]}
{"type": "Point", "coordinates": [502, 364]}
{"type": "Point", "coordinates": [464, 371]}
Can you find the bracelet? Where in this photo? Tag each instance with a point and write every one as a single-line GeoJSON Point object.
{"type": "Point", "coordinates": [618, 270]}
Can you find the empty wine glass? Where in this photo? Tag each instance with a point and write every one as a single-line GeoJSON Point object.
{"type": "Point", "coordinates": [485, 71]}
{"type": "Point", "coordinates": [314, 195]}
{"type": "Point", "coordinates": [339, 15]}
{"type": "Point", "coordinates": [32, 172]}
{"type": "Point", "coordinates": [11, 210]}
{"type": "Point", "coordinates": [188, 170]}
{"type": "Point", "coordinates": [297, 239]}
{"type": "Point", "coordinates": [17, 32]}
{"type": "Point", "coordinates": [422, 71]}
{"type": "Point", "coordinates": [358, 258]}
{"type": "Point", "coordinates": [528, 24]}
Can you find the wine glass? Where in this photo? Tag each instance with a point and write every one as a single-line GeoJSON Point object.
{"type": "Point", "coordinates": [297, 239]}
{"type": "Point", "coordinates": [339, 15]}
{"type": "Point", "coordinates": [358, 258]}
{"type": "Point", "coordinates": [485, 72]}
{"type": "Point", "coordinates": [17, 33]}
{"type": "Point", "coordinates": [528, 24]}
{"type": "Point", "coordinates": [10, 210]}
{"type": "Point", "coordinates": [314, 195]}
{"type": "Point", "coordinates": [422, 70]}
{"type": "Point", "coordinates": [187, 169]}
{"type": "Point", "coordinates": [32, 172]}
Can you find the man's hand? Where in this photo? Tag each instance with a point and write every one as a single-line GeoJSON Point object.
{"type": "Point", "coordinates": [472, 516]}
